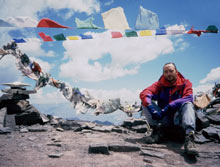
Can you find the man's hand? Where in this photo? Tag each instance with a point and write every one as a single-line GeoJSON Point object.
{"type": "Point", "coordinates": [155, 113]}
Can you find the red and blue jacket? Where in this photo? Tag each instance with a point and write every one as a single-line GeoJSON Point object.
{"type": "Point", "coordinates": [166, 93]}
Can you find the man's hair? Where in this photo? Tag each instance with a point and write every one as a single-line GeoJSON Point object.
{"type": "Point", "coordinates": [170, 63]}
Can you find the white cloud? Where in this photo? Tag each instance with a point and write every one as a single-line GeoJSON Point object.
{"type": "Point", "coordinates": [33, 48]}
{"type": "Point", "coordinates": [41, 97]}
{"type": "Point", "coordinates": [8, 70]}
{"type": "Point", "coordinates": [127, 54]}
{"type": "Point", "coordinates": [202, 88]}
{"type": "Point", "coordinates": [212, 76]}
{"type": "Point", "coordinates": [11, 8]}
{"type": "Point", "coordinates": [109, 3]}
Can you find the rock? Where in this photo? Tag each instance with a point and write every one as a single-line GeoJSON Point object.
{"type": "Point", "coordinates": [86, 131]}
{"type": "Point", "coordinates": [30, 117]}
{"type": "Point", "coordinates": [123, 147]}
{"type": "Point", "coordinates": [200, 139]}
{"type": "Point", "coordinates": [37, 129]}
{"type": "Point", "coordinates": [5, 130]}
{"type": "Point", "coordinates": [215, 119]}
{"type": "Point", "coordinates": [103, 128]}
{"type": "Point", "coordinates": [139, 122]}
{"type": "Point", "coordinates": [69, 124]}
{"type": "Point", "coordinates": [54, 144]}
{"type": "Point", "coordinates": [140, 128]}
{"type": "Point", "coordinates": [23, 130]}
{"type": "Point", "coordinates": [99, 149]}
{"type": "Point", "coordinates": [118, 130]}
{"type": "Point", "coordinates": [55, 155]}
{"type": "Point", "coordinates": [210, 133]}
{"type": "Point", "coordinates": [128, 123]}
{"type": "Point", "coordinates": [148, 160]}
{"type": "Point", "coordinates": [32, 138]}
{"type": "Point", "coordinates": [152, 154]}
{"type": "Point", "coordinates": [60, 129]}
{"type": "Point", "coordinates": [2, 115]}
{"type": "Point", "coordinates": [201, 121]}
{"type": "Point", "coordinates": [10, 121]}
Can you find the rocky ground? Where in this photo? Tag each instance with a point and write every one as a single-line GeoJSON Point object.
{"type": "Point", "coordinates": [84, 144]}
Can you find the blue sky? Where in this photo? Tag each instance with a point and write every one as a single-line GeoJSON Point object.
{"type": "Point", "coordinates": [108, 67]}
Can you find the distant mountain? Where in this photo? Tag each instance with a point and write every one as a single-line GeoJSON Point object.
{"type": "Point", "coordinates": [5, 24]}
{"type": "Point", "coordinates": [103, 122]}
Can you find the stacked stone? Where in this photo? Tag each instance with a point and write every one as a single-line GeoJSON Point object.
{"type": "Point", "coordinates": [18, 109]}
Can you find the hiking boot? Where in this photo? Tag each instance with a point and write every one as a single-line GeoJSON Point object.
{"type": "Point", "coordinates": [189, 144]}
{"type": "Point", "coordinates": [154, 137]}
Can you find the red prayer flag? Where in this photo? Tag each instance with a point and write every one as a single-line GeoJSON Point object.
{"type": "Point", "coordinates": [50, 24]}
{"type": "Point", "coordinates": [116, 34]}
{"type": "Point", "coordinates": [45, 37]}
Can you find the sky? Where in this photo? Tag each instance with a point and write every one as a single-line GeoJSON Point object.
{"type": "Point", "coordinates": [107, 67]}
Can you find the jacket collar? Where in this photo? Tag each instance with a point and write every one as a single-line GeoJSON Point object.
{"type": "Point", "coordinates": [180, 80]}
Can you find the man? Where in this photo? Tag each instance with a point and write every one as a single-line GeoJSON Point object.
{"type": "Point", "coordinates": [174, 97]}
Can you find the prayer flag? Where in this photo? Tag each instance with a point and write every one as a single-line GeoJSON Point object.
{"type": "Point", "coordinates": [73, 37]}
{"type": "Point", "coordinates": [116, 34]}
{"type": "Point", "coordinates": [146, 33]}
{"type": "Point", "coordinates": [212, 29]}
{"type": "Point", "coordinates": [147, 20]}
{"type": "Point", "coordinates": [131, 34]}
{"type": "Point", "coordinates": [161, 31]}
{"type": "Point", "coordinates": [50, 24]}
{"type": "Point", "coordinates": [59, 37]}
{"type": "Point", "coordinates": [86, 36]}
{"type": "Point", "coordinates": [115, 19]}
{"type": "Point", "coordinates": [45, 37]}
{"type": "Point", "coordinates": [19, 40]}
{"type": "Point", "coordinates": [85, 23]}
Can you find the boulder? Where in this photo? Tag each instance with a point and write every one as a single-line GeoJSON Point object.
{"type": "Point", "coordinates": [201, 121]}
{"type": "Point", "coordinates": [123, 147]}
{"type": "Point", "coordinates": [215, 118]}
{"type": "Point", "coordinates": [98, 149]}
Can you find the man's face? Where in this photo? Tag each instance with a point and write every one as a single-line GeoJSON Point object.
{"type": "Point", "coordinates": [170, 73]}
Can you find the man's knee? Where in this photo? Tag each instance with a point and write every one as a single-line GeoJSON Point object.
{"type": "Point", "coordinates": [187, 107]}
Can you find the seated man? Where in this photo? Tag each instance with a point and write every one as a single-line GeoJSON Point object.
{"type": "Point", "coordinates": [174, 97]}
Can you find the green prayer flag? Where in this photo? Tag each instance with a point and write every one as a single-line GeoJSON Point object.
{"type": "Point", "coordinates": [59, 37]}
{"type": "Point", "coordinates": [131, 34]}
{"type": "Point", "coordinates": [212, 29]}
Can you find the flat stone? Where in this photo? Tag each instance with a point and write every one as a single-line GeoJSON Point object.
{"type": "Point", "coordinates": [10, 121]}
{"type": "Point", "coordinates": [103, 128]}
{"type": "Point", "coordinates": [201, 121]}
{"type": "Point", "coordinates": [148, 160]}
{"type": "Point", "coordinates": [54, 144]}
{"type": "Point", "coordinates": [60, 129]}
{"type": "Point", "coordinates": [32, 138]}
{"type": "Point", "coordinates": [152, 154]}
{"type": "Point", "coordinates": [99, 149]}
{"type": "Point", "coordinates": [123, 147]}
{"type": "Point", "coordinates": [200, 139]}
{"type": "Point", "coordinates": [69, 124]}
{"type": "Point", "coordinates": [55, 155]}
{"type": "Point", "coordinates": [139, 122]}
{"type": "Point", "coordinates": [215, 119]}
{"type": "Point", "coordinates": [140, 128]}
{"type": "Point", "coordinates": [211, 133]}
{"type": "Point", "coordinates": [37, 129]}
{"type": "Point", "coordinates": [118, 130]}
{"type": "Point", "coordinates": [5, 130]}
{"type": "Point", "coordinates": [128, 123]}
{"type": "Point", "coordinates": [24, 130]}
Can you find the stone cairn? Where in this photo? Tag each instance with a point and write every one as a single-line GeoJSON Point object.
{"type": "Point", "coordinates": [17, 109]}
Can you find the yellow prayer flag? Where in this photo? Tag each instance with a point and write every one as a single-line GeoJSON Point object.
{"type": "Point", "coordinates": [73, 37]}
{"type": "Point", "coordinates": [146, 33]}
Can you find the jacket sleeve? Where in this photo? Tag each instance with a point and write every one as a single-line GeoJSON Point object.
{"type": "Point", "coordinates": [150, 93]}
{"type": "Point", "coordinates": [187, 96]}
